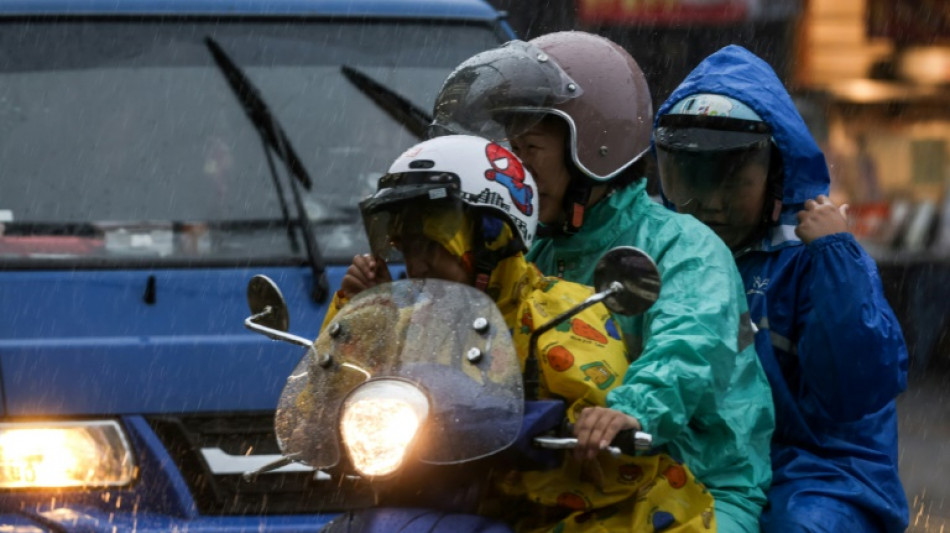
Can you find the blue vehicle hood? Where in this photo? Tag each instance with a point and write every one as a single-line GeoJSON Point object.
{"type": "Point", "coordinates": [736, 72]}
{"type": "Point", "coordinates": [107, 351]}
{"type": "Point", "coordinates": [460, 9]}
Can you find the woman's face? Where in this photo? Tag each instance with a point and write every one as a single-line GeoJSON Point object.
{"type": "Point", "coordinates": [541, 149]}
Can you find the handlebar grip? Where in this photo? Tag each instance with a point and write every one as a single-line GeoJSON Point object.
{"type": "Point", "coordinates": [630, 441]}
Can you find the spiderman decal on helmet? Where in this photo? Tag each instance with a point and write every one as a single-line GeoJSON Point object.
{"type": "Point", "coordinates": [507, 171]}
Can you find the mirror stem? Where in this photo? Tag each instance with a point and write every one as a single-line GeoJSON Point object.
{"type": "Point", "coordinates": [273, 333]}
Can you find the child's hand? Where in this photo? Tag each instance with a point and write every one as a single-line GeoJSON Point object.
{"type": "Point", "coordinates": [596, 427]}
{"type": "Point", "coordinates": [365, 272]}
{"type": "Point", "coordinates": [821, 217]}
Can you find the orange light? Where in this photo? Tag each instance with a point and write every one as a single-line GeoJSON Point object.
{"type": "Point", "coordinates": [379, 423]}
{"type": "Point", "coordinates": [64, 454]}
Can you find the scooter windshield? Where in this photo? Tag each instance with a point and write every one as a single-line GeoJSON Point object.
{"type": "Point", "coordinates": [447, 339]}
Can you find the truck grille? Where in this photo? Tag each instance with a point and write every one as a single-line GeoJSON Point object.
{"type": "Point", "coordinates": [247, 435]}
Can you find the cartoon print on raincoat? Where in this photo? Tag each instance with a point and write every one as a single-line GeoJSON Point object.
{"type": "Point", "coordinates": [827, 338]}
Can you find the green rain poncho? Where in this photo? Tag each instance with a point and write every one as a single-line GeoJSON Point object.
{"type": "Point", "coordinates": [695, 382]}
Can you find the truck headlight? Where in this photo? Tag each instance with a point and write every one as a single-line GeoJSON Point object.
{"type": "Point", "coordinates": [379, 421]}
{"type": "Point", "coordinates": [63, 454]}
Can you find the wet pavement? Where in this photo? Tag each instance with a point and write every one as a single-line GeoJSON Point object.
{"type": "Point", "coordinates": [924, 420]}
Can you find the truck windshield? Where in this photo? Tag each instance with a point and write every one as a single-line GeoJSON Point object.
{"type": "Point", "coordinates": [121, 142]}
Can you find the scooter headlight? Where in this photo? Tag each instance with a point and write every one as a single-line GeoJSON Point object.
{"type": "Point", "coordinates": [64, 454]}
{"type": "Point", "coordinates": [379, 422]}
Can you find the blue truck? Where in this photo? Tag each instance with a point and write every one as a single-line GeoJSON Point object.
{"type": "Point", "coordinates": [154, 156]}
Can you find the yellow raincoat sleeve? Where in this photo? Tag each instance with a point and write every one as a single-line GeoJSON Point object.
{"type": "Point", "coordinates": [338, 302]}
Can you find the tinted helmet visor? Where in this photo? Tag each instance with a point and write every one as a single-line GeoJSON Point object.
{"type": "Point", "coordinates": [690, 177]}
{"type": "Point", "coordinates": [484, 92]}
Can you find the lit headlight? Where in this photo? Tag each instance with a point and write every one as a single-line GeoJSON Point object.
{"type": "Point", "coordinates": [379, 422]}
{"type": "Point", "coordinates": [64, 454]}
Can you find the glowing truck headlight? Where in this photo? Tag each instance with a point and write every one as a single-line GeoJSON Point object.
{"type": "Point", "coordinates": [379, 422]}
{"type": "Point", "coordinates": [64, 454]}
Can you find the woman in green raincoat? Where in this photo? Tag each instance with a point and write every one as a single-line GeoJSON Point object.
{"type": "Point", "coordinates": [576, 109]}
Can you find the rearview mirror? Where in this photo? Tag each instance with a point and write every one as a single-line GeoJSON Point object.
{"type": "Point", "coordinates": [269, 314]}
{"type": "Point", "coordinates": [637, 274]}
{"type": "Point", "coordinates": [262, 293]}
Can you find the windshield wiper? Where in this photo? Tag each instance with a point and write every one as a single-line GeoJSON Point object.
{"type": "Point", "coordinates": [273, 136]}
{"type": "Point", "coordinates": [397, 106]}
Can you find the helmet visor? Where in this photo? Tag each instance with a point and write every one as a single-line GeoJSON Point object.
{"type": "Point", "coordinates": [487, 91]}
{"type": "Point", "coordinates": [413, 228]}
{"type": "Point", "coordinates": [694, 179]}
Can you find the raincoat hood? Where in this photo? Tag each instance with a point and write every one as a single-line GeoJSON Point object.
{"type": "Point", "coordinates": [738, 73]}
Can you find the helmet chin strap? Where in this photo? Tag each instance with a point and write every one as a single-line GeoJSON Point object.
{"type": "Point", "coordinates": [775, 186]}
{"type": "Point", "coordinates": [776, 210]}
{"type": "Point", "coordinates": [576, 196]}
{"type": "Point", "coordinates": [486, 260]}
{"type": "Point", "coordinates": [575, 202]}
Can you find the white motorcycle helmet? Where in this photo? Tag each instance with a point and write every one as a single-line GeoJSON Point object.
{"type": "Point", "coordinates": [450, 181]}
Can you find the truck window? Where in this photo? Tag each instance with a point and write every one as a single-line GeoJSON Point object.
{"type": "Point", "coordinates": [122, 142]}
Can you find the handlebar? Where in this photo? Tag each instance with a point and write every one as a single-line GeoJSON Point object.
{"type": "Point", "coordinates": [630, 441]}
{"type": "Point", "coordinates": [627, 442]}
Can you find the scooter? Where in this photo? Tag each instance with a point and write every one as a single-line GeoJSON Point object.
{"type": "Point", "coordinates": [415, 391]}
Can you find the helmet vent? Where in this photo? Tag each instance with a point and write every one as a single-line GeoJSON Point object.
{"type": "Point", "coordinates": [422, 163]}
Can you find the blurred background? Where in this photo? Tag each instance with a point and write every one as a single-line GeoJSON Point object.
{"type": "Point", "coordinates": [872, 80]}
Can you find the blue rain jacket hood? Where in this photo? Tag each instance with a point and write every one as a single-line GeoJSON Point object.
{"type": "Point", "coordinates": [736, 72]}
{"type": "Point", "coordinates": [828, 340]}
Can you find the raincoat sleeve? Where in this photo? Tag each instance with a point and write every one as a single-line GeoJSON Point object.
{"type": "Point", "coordinates": [690, 338]}
{"type": "Point", "coordinates": [581, 359]}
{"type": "Point", "coordinates": [338, 302]}
{"type": "Point", "coordinates": [851, 347]}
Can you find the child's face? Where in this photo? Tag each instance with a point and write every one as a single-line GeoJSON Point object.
{"type": "Point", "coordinates": [734, 210]}
{"type": "Point", "coordinates": [541, 149]}
{"type": "Point", "coordinates": [426, 258]}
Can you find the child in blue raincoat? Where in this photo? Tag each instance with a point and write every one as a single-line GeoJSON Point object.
{"type": "Point", "coordinates": [734, 152]}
